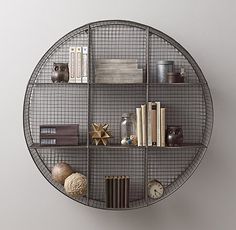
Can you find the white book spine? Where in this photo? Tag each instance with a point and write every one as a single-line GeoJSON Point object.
{"type": "Point", "coordinates": [85, 65]}
{"type": "Point", "coordinates": [158, 123]}
{"type": "Point", "coordinates": [163, 127]}
{"type": "Point", "coordinates": [139, 126]}
{"type": "Point", "coordinates": [144, 124]}
{"type": "Point", "coordinates": [72, 64]}
{"type": "Point", "coordinates": [78, 76]}
{"type": "Point", "coordinates": [149, 123]}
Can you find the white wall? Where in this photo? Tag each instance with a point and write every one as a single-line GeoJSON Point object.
{"type": "Point", "coordinates": [206, 28]}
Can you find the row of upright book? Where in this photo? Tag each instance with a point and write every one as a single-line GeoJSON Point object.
{"type": "Point", "coordinates": [78, 64]}
{"type": "Point", "coordinates": [151, 124]}
{"type": "Point", "coordinates": [117, 191]}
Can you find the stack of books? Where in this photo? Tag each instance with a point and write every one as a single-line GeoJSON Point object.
{"type": "Point", "coordinates": [57, 135]}
{"type": "Point", "coordinates": [151, 124]}
{"type": "Point", "coordinates": [117, 191]}
{"type": "Point", "coordinates": [118, 71]}
{"type": "Point", "coordinates": [78, 64]}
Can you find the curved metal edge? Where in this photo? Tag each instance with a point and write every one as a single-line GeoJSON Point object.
{"type": "Point", "coordinates": [141, 26]}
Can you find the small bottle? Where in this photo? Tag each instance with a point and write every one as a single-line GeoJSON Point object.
{"type": "Point", "coordinates": [128, 129]}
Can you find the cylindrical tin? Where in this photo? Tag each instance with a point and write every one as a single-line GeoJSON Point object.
{"type": "Point", "coordinates": [174, 77]}
{"type": "Point", "coordinates": [163, 67]}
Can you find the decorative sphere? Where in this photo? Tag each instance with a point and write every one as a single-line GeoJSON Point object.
{"type": "Point", "coordinates": [129, 142]}
{"type": "Point", "coordinates": [76, 185]}
{"type": "Point", "coordinates": [133, 137]}
{"type": "Point", "coordinates": [123, 142]}
{"type": "Point", "coordinates": [61, 171]}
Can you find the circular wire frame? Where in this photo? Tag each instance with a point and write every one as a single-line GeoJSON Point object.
{"type": "Point", "coordinates": [188, 104]}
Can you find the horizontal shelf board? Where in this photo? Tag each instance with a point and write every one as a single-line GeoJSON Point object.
{"type": "Point", "coordinates": [116, 146]}
{"type": "Point", "coordinates": [177, 84]}
{"type": "Point", "coordinates": [38, 146]}
{"type": "Point", "coordinates": [189, 145]}
{"type": "Point", "coordinates": [57, 84]}
{"type": "Point", "coordinates": [111, 84]}
{"type": "Point", "coordinates": [104, 84]}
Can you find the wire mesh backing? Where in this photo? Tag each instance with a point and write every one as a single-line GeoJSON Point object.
{"type": "Point", "coordinates": [189, 105]}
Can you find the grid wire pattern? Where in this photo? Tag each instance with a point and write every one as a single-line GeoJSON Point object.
{"type": "Point", "coordinates": [189, 105]}
{"type": "Point", "coordinates": [109, 102]}
{"type": "Point", "coordinates": [185, 106]}
{"type": "Point", "coordinates": [129, 162]}
{"type": "Point", "coordinates": [58, 104]}
{"type": "Point", "coordinates": [160, 49]}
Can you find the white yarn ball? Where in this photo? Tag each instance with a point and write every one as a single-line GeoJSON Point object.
{"type": "Point", "coordinates": [76, 185]}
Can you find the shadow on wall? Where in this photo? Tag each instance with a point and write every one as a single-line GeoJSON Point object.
{"type": "Point", "coordinates": [152, 217]}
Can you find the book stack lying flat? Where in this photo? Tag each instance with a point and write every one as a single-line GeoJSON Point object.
{"type": "Point", "coordinates": [117, 191]}
{"type": "Point", "coordinates": [78, 64]}
{"type": "Point", "coordinates": [151, 124]}
{"type": "Point", "coordinates": [56, 135]}
{"type": "Point", "coordinates": [118, 71]}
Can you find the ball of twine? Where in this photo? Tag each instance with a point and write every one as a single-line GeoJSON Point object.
{"type": "Point", "coordinates": [76, 185]}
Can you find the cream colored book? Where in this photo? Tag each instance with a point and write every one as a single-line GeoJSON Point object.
{"type": "Point", "coordinates": [154, 124]}
{"type": "Point", "coordinates": [78, 75]}
{"type": "Point", "coordinates": [85, 65]}
{"type": "Point", "coordinates": [144, 124]}
{"type": "Point", "coordinates": [158, 104]}
{"type": "Point", "coordinates": [163, 127]}
{"type": "Point", "coordinates": [149, 123]}
{"type": "Point", "coordinates": [139, 126]}
{"type": "Point", "coordinates": [72, 64]}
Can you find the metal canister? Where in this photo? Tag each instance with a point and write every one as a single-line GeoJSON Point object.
{"type": "Point", "coordinates": [163, 67]}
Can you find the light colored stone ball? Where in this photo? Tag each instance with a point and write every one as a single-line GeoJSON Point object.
{"type": "Point", "coordinates": [123, 142]}
{"type": "Point", "coordinates": [76, 185]}
{"type": "Point", "coordinates": [61, 171]}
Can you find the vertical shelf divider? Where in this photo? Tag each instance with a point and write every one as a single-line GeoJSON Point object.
{"type": "Point", "coordinates": [88, 113]}
{"type": "Point", "coordinates": [147, 98]}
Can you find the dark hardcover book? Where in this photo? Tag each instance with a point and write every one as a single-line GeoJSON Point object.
{"type": "Point", "coordinates": [110, 192]}
{"type": "Point", "coordinates": [107, 201]}
{"type": "Point", "coordinates": [115, 180]}
{"type": "Point", "coordinates": [127, 181]}
{"type": "Point", "coordinates": [122, 192]}
{"type": "Point", "coordinates": [118, 192]}
{"type": "Point", "coordinates": [59, 140]}
{"type": "Point", "coordinates": [59, 130]}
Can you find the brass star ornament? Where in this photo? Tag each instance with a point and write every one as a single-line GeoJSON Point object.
{"type": "Point", "coordinates": [100, 134]}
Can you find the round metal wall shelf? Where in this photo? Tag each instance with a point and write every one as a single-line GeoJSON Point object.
{"type": "Point", "coordinates": [189, 104]}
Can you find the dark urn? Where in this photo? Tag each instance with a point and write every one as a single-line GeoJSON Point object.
{"type": "Point", "coordinates": [60, 72]}
{"type": "Point", "coordinates": [174, 136]}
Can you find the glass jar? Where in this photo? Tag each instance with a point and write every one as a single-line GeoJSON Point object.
{"type": "Point", "coordinates": [128, 129]}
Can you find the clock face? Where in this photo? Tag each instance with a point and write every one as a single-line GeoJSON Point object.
{"type": "Point", "coordinates": [155, 189]}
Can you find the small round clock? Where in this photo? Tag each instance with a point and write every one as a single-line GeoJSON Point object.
{"type": "Point", "coordinates": [155, 189]}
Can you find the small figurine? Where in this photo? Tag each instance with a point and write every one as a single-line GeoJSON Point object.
{"type": "Point", "coordinates": [174, 136]}
{"type": "Point", "coordinates": [60, 72]}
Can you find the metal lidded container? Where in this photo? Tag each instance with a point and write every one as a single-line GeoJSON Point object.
{"type": "Point", "coordinates": [163, 67]}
